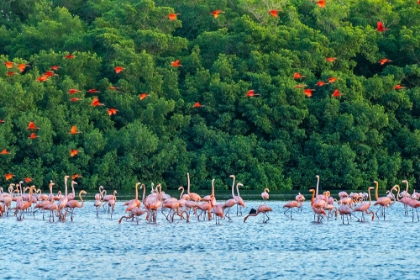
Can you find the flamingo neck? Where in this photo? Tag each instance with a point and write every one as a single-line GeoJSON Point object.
{"type": "Point", "coordinates": [233, 187]}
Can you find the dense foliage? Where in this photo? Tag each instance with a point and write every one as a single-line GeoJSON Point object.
{"type": "Point", "coordinates": [280, 139]}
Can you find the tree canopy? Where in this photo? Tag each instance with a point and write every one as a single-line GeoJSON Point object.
{"type": "Point", "coordinates": [272, 91]}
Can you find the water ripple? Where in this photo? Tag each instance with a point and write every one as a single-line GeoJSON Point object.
{"type": "Point", "coordinates": [280, 249]}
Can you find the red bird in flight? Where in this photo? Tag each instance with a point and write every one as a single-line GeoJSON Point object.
{"type": "Point", "coordinates": [176, 63]}
{"type": "Point", "coordinates": [173, 16]}
{"type": "Point", "coordinates": [274, 13]}
{"type": "Point", "coordinates": [32, 126]}
{"type": "Point", "coordinates": [251, 93]}
{"type": "Point", "coordinates": [216, 13]}
{"type": "Point", "coordinates": [380, 26]}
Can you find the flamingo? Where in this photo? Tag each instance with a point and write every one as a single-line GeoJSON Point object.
{"type": "Point", "coordinates": [239, 200]}
{"type": "Point", "coordinates": [265, 194]}
{"type": "Point", "coordinates": [364, 208]}
{"type": "Point", "coordinates": [134, 202]}
{"type": "Point", "coordinates": [63, 201]}
{"type": "Point", "coordinates": [111, 202]}
{"type": "Point", "coordinates": [405, 198]}
{"type": "Point", "coordinates": [300, 197]}
{"type": "Point", "coordinates": [263, 208]}
{"type": "Point", "coordinates": [75, 204]}
{"type": "Point", "coordinates": [72, 195]}
{"type": "Point", "coordinates": [42, 204]}
{"type": "Point", "coordinates": [290, 205]}
{"type": "Point", "coordinates": [154, 203]}
{"type": "Point", "coordinates": [194, 197]}
{"type": "Point", "coordinates": [136, 211]}
{"type": "Point", "coordinates": [318, 210]}
{"type": "Point", "coordinates": [345, 210]}
{"type": "Point", "coordinates": [231, 202]}
{"type": "Point", "coordinates": [25, 205]}
{"type": "Point", "coordinates": [382, 201]}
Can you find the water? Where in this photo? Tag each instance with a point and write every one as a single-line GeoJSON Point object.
{"type": "Point", "coordinates": [280, 249]}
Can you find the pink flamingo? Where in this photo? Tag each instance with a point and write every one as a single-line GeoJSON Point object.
{"type": "Point", "coordinates": [364, 208]}
{"type": "Point", "coordinates": [75, 204]}
{"type": "Point", "coordinates": [42, 204]}
{"type": "Point", "coordinates": [290, 205]}
{"type": "Point", "coordinates": [72, 195]}
{"type": "Point", "coordinates": [218, 212]}
{"type": "Point", "coordinates": [239, 200]}
{"type": "Point", "coordinates": [231, 202]}
{"type": "Point", "coordinates": [345, 210]}
{"type": "Point", "coordinates": [63, 201]}
{"type": "Point", "coordinates": [193, 196]}
{"type": "Point", "coordinates": [382, 201]}
{"type": "Point", "coordinates": [137, 211]}
{"type": "Point", "coordinates": [263, 208]}
{"type": "Point", "coordinates": [134, 202]}
{"type": "Point", "coordinates": [206, 206]}
{"type": "Point", "coordinates": [265, 194]}
{"type": "Point", "coordinates": [25, 204]}
{"type": "Point", "coordinates": [8, 198]}
{"type": "Point", "coordinates": [318, 210]}
{"type": "Point", "coordinates": [405, 198]}
{"type": "Point", "coordinates": [154, 203]}
{"type": "Point", "coordinates": [99, 195]}
{"type": "Point", "coordinates": [111, 203]}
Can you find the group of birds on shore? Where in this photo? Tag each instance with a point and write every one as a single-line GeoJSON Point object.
{"type": "Point", "coordinates": [324, 206]}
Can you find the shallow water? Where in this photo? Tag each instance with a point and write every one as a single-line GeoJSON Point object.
{"type": "Point", "coordinates": [280, 249]}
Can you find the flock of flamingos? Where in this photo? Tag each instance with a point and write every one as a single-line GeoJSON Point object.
{"type": "Point", "coordinates": [324, 206]}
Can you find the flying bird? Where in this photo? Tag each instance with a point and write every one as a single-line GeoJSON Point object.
{"type": "Point", "coordinates": [95, 102]}
{"type": "Point", "coordinates": [398, 87]}
{"type": "Point", "coordinates": [321, 3]}
{"type": "Point", "coordinates": [33, 136]}
{"type": "Point", "coordinates": [43, 78]}
{"type": "Point", "coordinates": [297, 75]}
{"type": "Point", "coordinates": [384, 60]}
{"type": "Point", "coordinates": [50, 73]}
{"type": "Point", "coordinates": [10, 73]}
{"type": "Point", "coordinates": [197, 105]}
{"type": "Point", "coordinates": [8, 64]}
{"type": "Point", "coordinates": [75, 99]}
{"type": "Point", "coordinates": [251, 93]}
{"type": "Point", "coordinates": [73, 152]}
{"type": "Point", "coordinates": [75, 176]}
{"type": "Point", "coordinates": [216, 13]}
{"type": "Point", "coordinates": [119, 69]}
{"type": "Point", "coordinates": [22, 67]}
{"type": "Point", "coordinates": [28, 179]}
{"type": "Point", "coordinates": [69, 56]}
{"type": "Point", "coordinates": [274, 13]}
{"type": "Point", "coordinates": [300, 85]}
{"type": "Point", "coordinates": [32, 126]}
{"type": "Point", "coordinates": [73, 91]}
{"type": "Point", "coordinates": [9, 176]}
{"type": "Point", "coordinates": [173, 16]}
{"type": "Point", "coordinates": [112, 111]}
{"type": "Point", "coordinates": [93, 90]}
{"type": "Point", "coordinates": [336, 93]}
{"type": "Point", "coordinates": [55, 67]}
{"type": "Point", "coordinates": [73, 130]}
{"type": "Point", "coordinates": [330, 59]}
{"type": "Point", "coordinates": [321, 83]}
{"type": "Point", "coordinates": [308, 92]}
{"type": "Point", "coordinates": [5, 152]}
{"type": "Point", "coordinates": [143, 96]}
{"type": "Point", "coordinates": [176, 63]}
{"type": "Point", "coordinates": [332, 80]}
{"type": "Point", "coordinates": [380, 26]}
